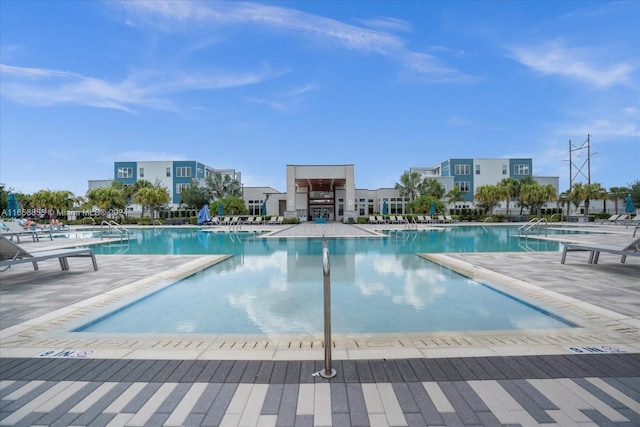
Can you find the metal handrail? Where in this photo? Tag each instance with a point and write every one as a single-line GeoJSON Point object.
{"type": "Point", "coordinates": [156, 222]}
{"type": "Point", "coordinates": [328, 371]}
{"type": "Point", "coordinates": [114, 226]}
{"type": "Point", "coordinates": [534, 222]}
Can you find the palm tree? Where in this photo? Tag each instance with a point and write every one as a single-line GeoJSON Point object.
{"type": "Point", "coordinates": [511, 188]}
{"type": "Point", "coordinates": [431, 187]}
{"type": "Point", "coordinates": [616, 194]}
{"type": "Point", "coordinates": [107, 199]}
{"type": "Point", "coordinates": [585, 192]}
{"type": "Point", "coordinates": [454, 195]}
{"type": "Point", "coordinates": [408, 185]}
{"type": "Point", "coordinates": [54, 202]}
{"type": "Point", "coordinates": [535, 195]}
{"type": "Point", "coordinates": [152, 197]}
{"type": "Point", "coordinates": [527, 180]}
{"type": "Point", "coordinates": [490, 195]}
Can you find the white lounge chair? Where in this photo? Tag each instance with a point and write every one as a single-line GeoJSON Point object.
{"type": "Point", "coordinates": [380, 219]}
{"type": "Point", "coordinates": [594, 249]}
{"type": "Point", "coordinates": [11, 254]}
{"type": "Point", "coordinates": [612, 219]}
{"type": "Point", "coordinates": [257, 220]}
{"type": "Point", "coordinates": [372, 220]}
{"type": "Point", "coordinates": [279, 220]}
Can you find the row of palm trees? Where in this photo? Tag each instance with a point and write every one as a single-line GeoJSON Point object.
{"type": "Point", "coordinates": [526, 191]}
{"type": "Point", "coordinates": [112, 201]}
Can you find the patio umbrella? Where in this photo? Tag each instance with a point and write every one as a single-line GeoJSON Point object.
{"type": "Point", "coordinates": [204, 215]}
{"type": "Point", "coordinates": [220, 209]}
{"type": "Point", "coordinates": [385, 210]}
{"type": "Point", "coordinates": [264, 208]}
{"type": "Point", "coordinates": [629, 207]}
{"type": "Point", "coordinates": [13, 209]}
{"type": "Point", "coordinates": [432, 208]}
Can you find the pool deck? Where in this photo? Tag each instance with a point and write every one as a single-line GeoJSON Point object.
{"type": "Point", "coordinates": [588, 375]}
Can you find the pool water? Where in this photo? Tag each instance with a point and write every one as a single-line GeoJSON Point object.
{"type": "Point", "coordinates": [445, 239]}
{"type": "Point", "coordinates": [275, 286]}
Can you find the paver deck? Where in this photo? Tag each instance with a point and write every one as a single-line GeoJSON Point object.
{"type": "Point", "coordinates": [498, 378]}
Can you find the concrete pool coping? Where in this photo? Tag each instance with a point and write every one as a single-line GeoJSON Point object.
{"type": "Point", "coordinates": [596, 297]}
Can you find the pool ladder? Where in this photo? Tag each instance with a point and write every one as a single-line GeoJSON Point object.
{"type": "Point", "coordinates": [114, 228]}
{"type": "Point", "coordinates": [534, 224]}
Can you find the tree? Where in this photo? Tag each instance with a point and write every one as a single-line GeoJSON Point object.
{"type": "Point", "coordinates": [618, 193]}
{"type": "Point", "coordinates": [527, 180]}
{"type": "Point", "coordinates": [536, 195]}
{"type": "Point", "coordinates": [408, 185]}
{"type": "Point", "coordinates": [220, 186]}
{"type": "Point", "coordinates": [454, 195]}
{"type": "Point", "coordinates": [195, 196]}
{"type": "Point", "coordinates": [586, 192]}
{"type": "Point", "coordinates": [231, 206]}
{"type": "Point", "coordinates": [489, 196]}
{"type": "Point", "coordinates": [422, 204]}
{"type": "Point", "coordinates": [635, 192]}
{"type": "Point", "coordinates": [152, 197]}
{"type": "Point", "coordinates": [108, 199]}
{"type": "Point", "coordinates": [53, 202]}
{"type": "Point", "coordinates": [511, 188]}
{"type": "Point", "coordinates": [431, 187]}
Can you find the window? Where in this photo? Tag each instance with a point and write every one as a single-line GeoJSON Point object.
{"type": "Point", "coordinates": [477, 169]}
{"type": "Point", "coordinates": [521, 169]}
{"type": "Point", "coordinates": [180, 187]}
{"type": "Point", "coordinates": [125, 172]}
{"type": "Point", "coordinates": [504, 169]}
{"type": "Point", "coordinates": [183, 172]}
{"type": "Point", "coordinates": [141, 172]}
{"type": "Point", "coordinates": [168, 172]}
{"type": "Point", "coordinates": [464, 186]}
{"type": "Point", "coordinates": [462, 170]}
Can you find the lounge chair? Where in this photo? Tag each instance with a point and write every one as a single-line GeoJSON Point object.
{"type": "Point", "coordinates": [442, 219]}
{"type": "Point", "coordinates": [380, 219]}
{"type": "Point", "coordinates": [632, 221]}
{"type": "Point", "coordinates": [372, 219]}
{"type": "Point", "coordinates": [594, 249]}
{"type": "Point", "coordinates": [611, 219]}
{"type": "Point", "coordinates": [279, 220]}
{"type": "Point", "coordinates": [249, 220]}
{"type": "Point", "coordinates": [12, 229]}
{"type": "Point", "coordinates": [11, 254]}
{"type": "Point", "coordinates": [257, 220]}
{"type": "Point", "coordinates": [450, 219]}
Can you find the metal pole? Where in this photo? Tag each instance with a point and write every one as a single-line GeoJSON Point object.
{"type": "Point", "coordinates": [328, 372]}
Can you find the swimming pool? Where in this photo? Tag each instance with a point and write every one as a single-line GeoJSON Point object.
{"type": "Point", "coordinates": [192, 241]}
{"type": "Point", "coordinates": [274, 286]}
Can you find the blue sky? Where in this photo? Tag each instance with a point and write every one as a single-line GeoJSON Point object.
{"type": "Point", "coordinates": [384, 85]}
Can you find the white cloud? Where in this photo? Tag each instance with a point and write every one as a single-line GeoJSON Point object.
{"type": "Point", "coordinates": [44, 87]}
{"type": "Point", "coordinates": [387, 24]}
{"type": "Point", "coordinates": [555, 58]}
{"type": "Point", "coordinates": [315, 27]}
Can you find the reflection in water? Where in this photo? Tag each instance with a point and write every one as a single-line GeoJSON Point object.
{"type": "Point", "coordinates": [281, 292]}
